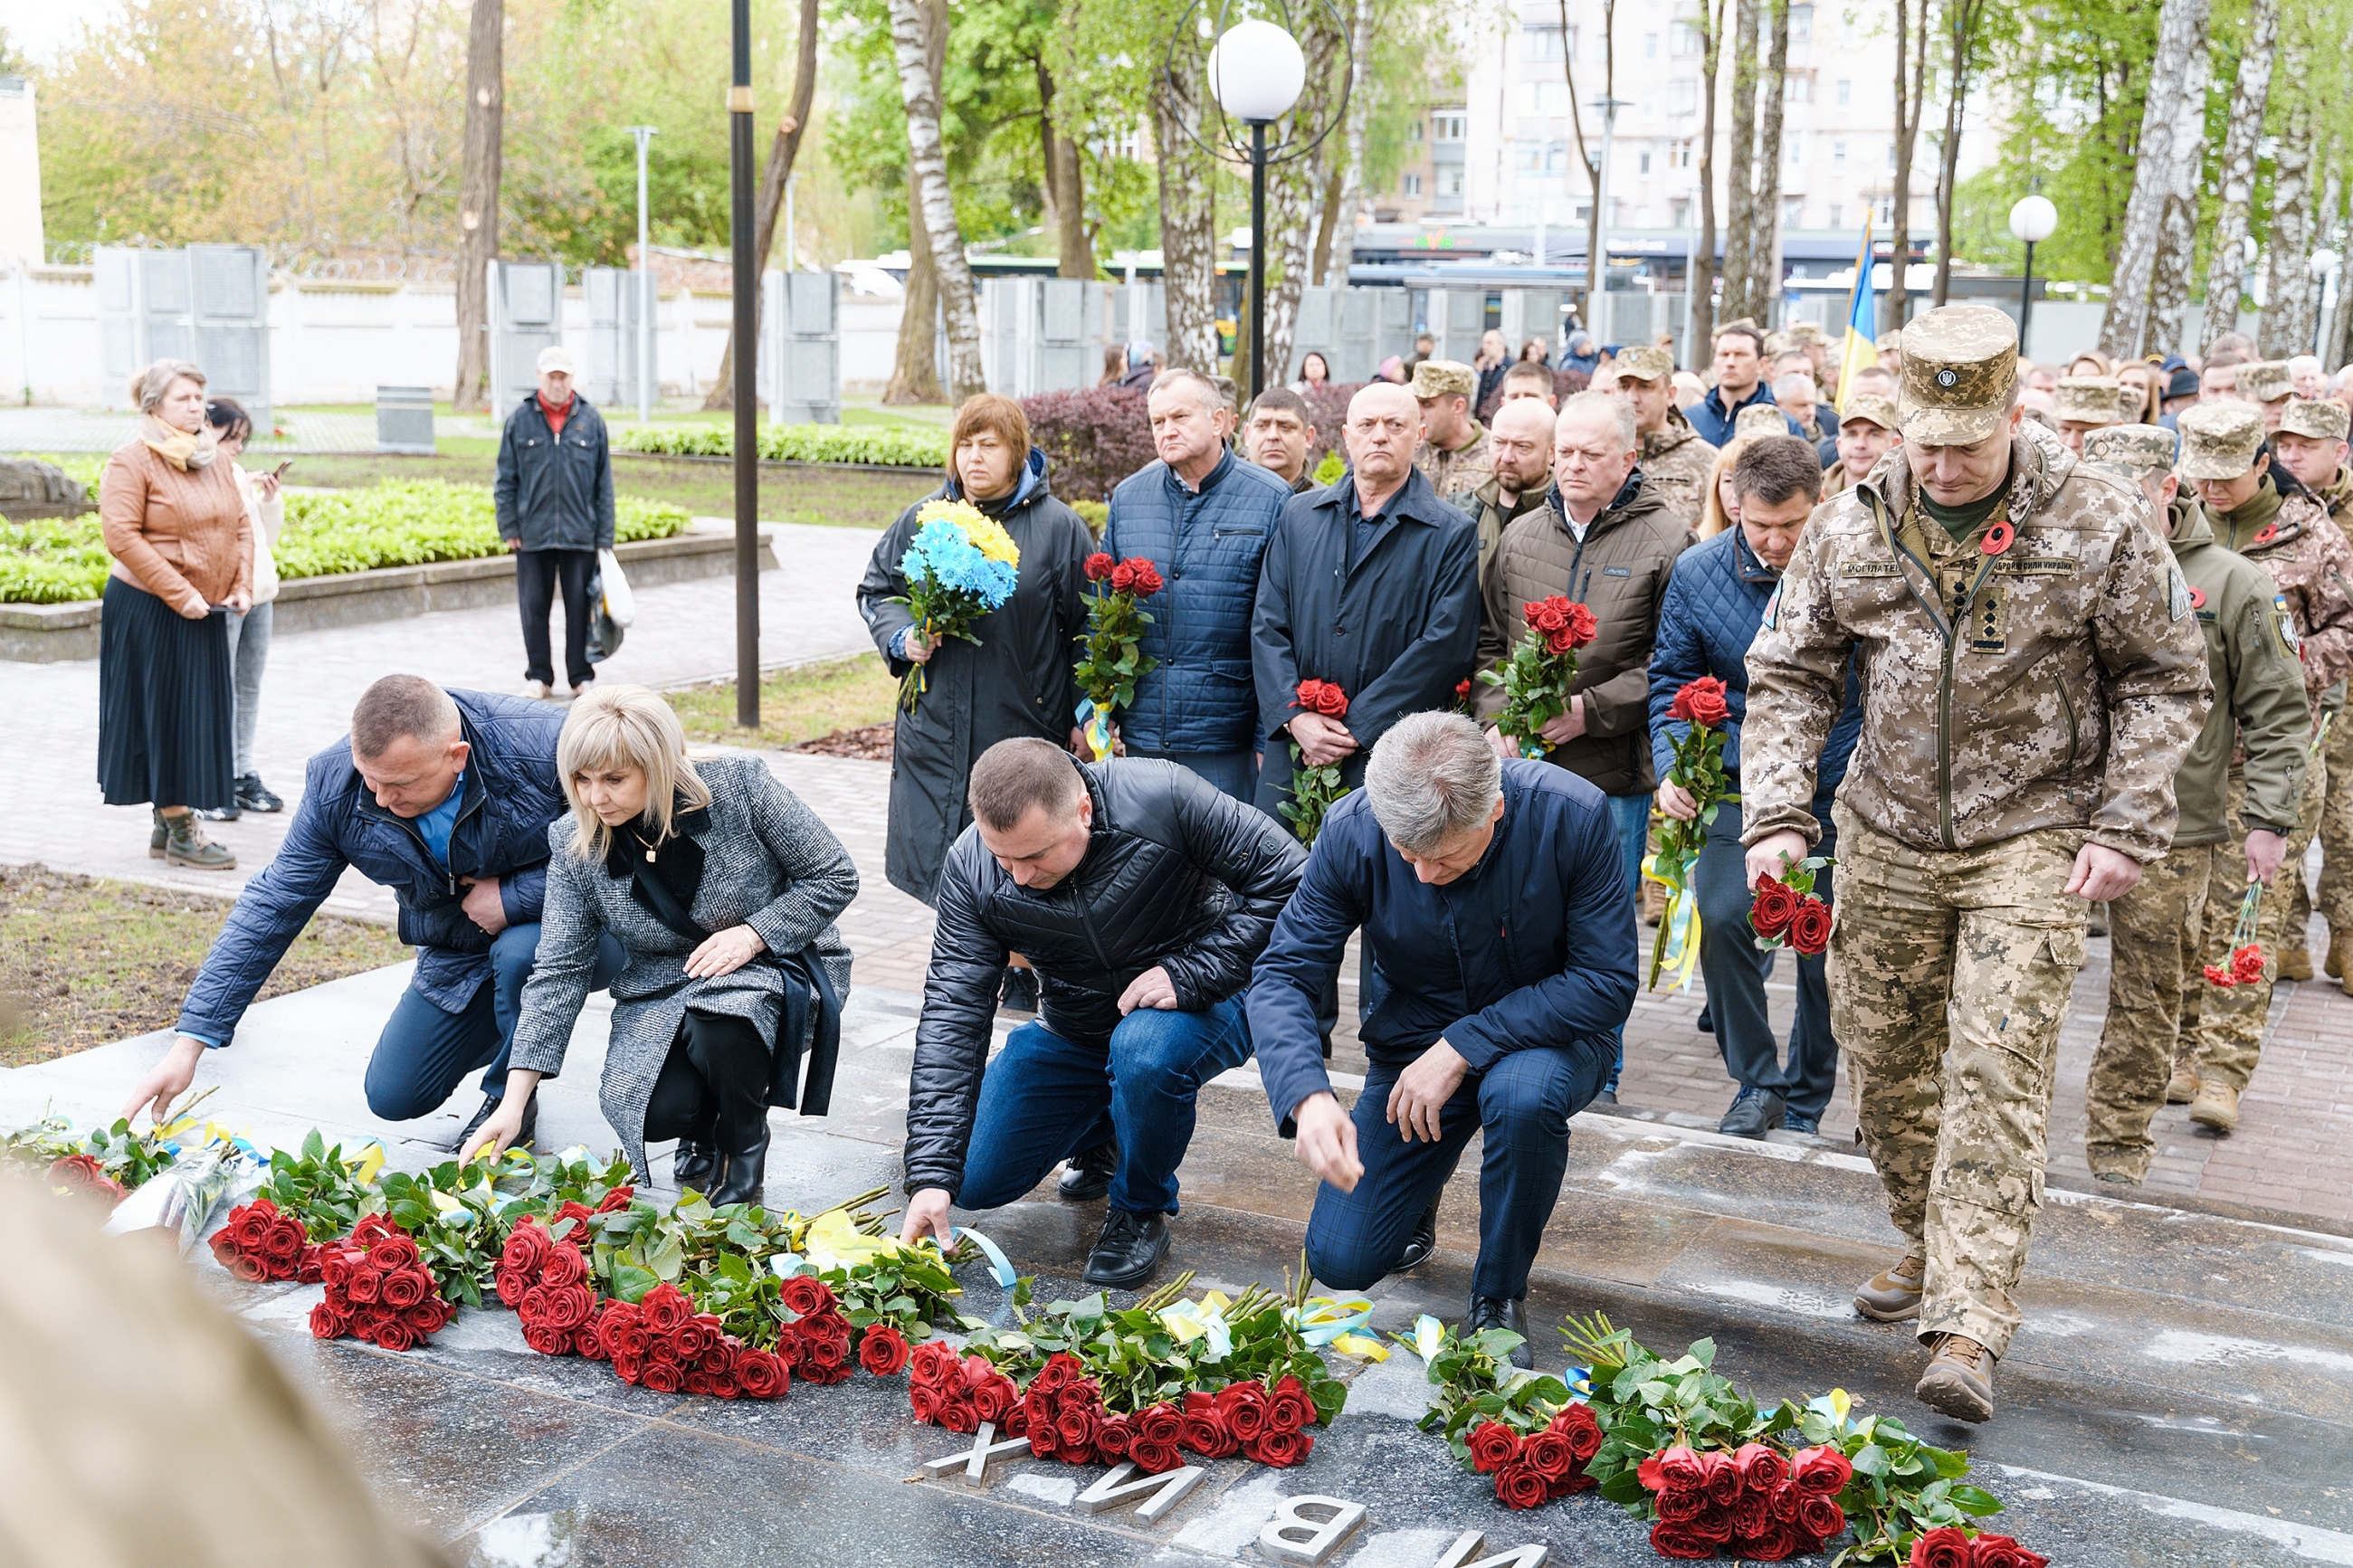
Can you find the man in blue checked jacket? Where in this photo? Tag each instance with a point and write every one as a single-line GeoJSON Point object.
{"type": "Point", "coordinates": [1203, 517]}
{"type": "Point", "coordinates": [1496, 905]}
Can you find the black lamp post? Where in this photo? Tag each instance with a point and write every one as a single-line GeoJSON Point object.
{"type": "Point", "coordinates": [746, 290]}
{"type": "Point", "coordinates": [2032, 219]}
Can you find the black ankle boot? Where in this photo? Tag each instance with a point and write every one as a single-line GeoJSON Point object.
{"type": "Point", "coordinates": [742, 1149]}
{"type": "Point", "coordinates": [695, 1165]}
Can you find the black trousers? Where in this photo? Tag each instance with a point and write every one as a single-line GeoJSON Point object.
{"type": "Point", "coordinates": [718, 1069]}
{"type": "Point", "coordinates": [537, 575]}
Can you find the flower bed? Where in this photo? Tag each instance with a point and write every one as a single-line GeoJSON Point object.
{"type": "Point", "coordinates": [396, 523]}
{"type": "Point", "coordinates": [885, 446]}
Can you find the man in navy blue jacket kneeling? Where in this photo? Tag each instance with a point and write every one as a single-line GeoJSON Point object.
{"type": "Point", "coordinates": [1493, 897]}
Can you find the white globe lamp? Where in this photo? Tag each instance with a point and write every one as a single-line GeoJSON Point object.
{"type": "Point", "coordinates": [2032, 219]}
{"type": "Point", "coordinates": [1257, 71]}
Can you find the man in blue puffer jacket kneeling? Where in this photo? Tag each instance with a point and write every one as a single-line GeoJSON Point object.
{"type": "Point", "coordinates": [1203, 517]}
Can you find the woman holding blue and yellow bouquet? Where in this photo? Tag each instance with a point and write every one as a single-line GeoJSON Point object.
{"type": "Point", "coordinates": [992, 666]}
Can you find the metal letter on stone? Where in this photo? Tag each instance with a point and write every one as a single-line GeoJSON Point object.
{"type": "Point", "coordinates": [1168, 1489]}
{"type": "Point", "coordinates": [1459, 1554]}
{"type": "Point", "coordinates": [974, 1459]}
{"type": "Point", "coordinates": [1283, 1539]}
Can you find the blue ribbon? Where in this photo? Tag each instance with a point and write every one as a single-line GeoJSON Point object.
{"type": "Point", "coordinates": [999, 1267]}
{"type": "Point", "coordinates": [1323, 1330]}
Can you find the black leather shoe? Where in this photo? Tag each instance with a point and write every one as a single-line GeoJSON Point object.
{"type": "Point", "coordinates": [1424, 1243]}
{"type": "Point", "coordinates": [1087, 1177]}
{"type": "Point", "coordinates": [1606, 1098]}
{"type": "Point", "coordinates": [1130, 1248]}
{"type": "Point", "coordinates": [254, 795]}
{"type": "Point", "coordinates": [1754, 1113]}
{"type": "Point", "coordinates": [695, 1165]}
{"type": "Point", "coordinates": [488, 1109]}
{"type": "Point", "coordinates": [1495, 1313]}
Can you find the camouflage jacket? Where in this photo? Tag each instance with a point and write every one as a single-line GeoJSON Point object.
{"type": "Point", "coordinates": [2337, 495]}
{"type": "Point", "coordinates": [1463, 468]}
{"type": "Point", "coordinates": [2054, 681]}
{"type": "Point", "coordinates": [1679, 462]}
{"type": "Point", "coordinates": [2259, 696]}
{"type": "Point", "coordinates": [2308, 557]}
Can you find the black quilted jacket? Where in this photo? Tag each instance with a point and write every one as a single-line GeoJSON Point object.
{"type": "Point", "coordinates": [1176, 874]}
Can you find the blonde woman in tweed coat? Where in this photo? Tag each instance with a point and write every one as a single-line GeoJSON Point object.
{"type": "Point", "coordinates": [723, 886]}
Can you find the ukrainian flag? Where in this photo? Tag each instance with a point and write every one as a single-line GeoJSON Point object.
{"type": "Point", "coordinates": [1862, 319]}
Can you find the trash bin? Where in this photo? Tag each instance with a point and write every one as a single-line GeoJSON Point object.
{"type": "Point", "coordinates": [404, 419]}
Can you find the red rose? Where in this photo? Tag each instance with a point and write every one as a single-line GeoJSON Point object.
{"type": "Point", "coordinates": [1290, 1408]}
{"type": "Point", "coordinates": [402, 1291]}
{"type": "Point", "coordinates": [1016, 1419]}
{"type": "Point", "coordinates": [1324, 697]}
{"type": "Point", "coordinates": [1078, 1391]}
{"type": "Point", "coordinates": [1776, 906]}
{"type": "Point", "coordinates": [1520, 1486]}
{"type": "Point", "coordinates": [1824, 1470]}
{"type": "Point", "coordinates": [665, 1307]}
{"type": "Point", "coordinates": [1148, 579]}
{"type": "Point", "coordinates": [1675, 1468]}
{"type": "Point", "coordinates": [883, 1352]}
{"type": "Point", "coordinates": [251, 1270]}
{"type": "Point", "coordinates": [1060, 1368]}
{"type": "Point", "coordinates": [1207, 1434]}
{"type": "Point", "coordinates": [1762, 1468]}
{"type": "Point", "coordinates": [956, 1413]}
{"type": "Point", "coordinates": [1713, 1522]}
{"type": "Point", "coordinates": [526, 1249]}
{"type": "Point", "coordinates": [392, 1334]}
{"type": "Point", "coordinates": [995, 1401]}
{"type": "Point", "coordinates": [1682, 1504]}
{"type": "Point", "coordinates": [285, 1239]}
{"type": "Point", "coordinates": [1099, 566]}
{"type": "Point", "coordinates": [393, 1252]}
{"type": "Point", "coordinates": [1753, 1515]}
{"type": "Point", "coordinates": [1776, 1541]}
{"type": "Point", "coordinates": [825, 1352]}
{"type": "Point", "coordinates": [1549, 1455]}
{"type": "Point", "coordinates": [565, 1266]}
{"type": "Point", "coordinates": [547, 1341]}
{"type": "Point", "coordinates": [807, 1295]}
{"type": "Point", "coordinates": [629, 1369]}
{"type": "Point", "coordinates": [1114, 1435]}
{"type": "Point", "coordinates": [364, 1286]}
{"type": "Point", "coordinates": [663, 1377]}
{"type": "Point", "coordinates": [373, 1228]}
{"type": "Point", "coordinates": [1244, 1405]}
{"type": "Point", "coordinates": [1818, 1515]}
{"type": "Point", "coordinates": [921, 1398]}
{"type": "Point", "coordinates": [1280, 1448]}
{"type": "Point", "coordinates": [1123, 577]}
{"type": "Point", "coordinates": [1668, 1539]}
{"type": "Point", "coordinates": [1582, 627]}
{"type": "Point", "coordinates": [1153, 1458]}
{"type": "Point", "coordinates": [933, 1361]}
{"type": "Point", "coordinates": [246, 1225]}
{"type": "Point", "coordinates": [2002, 1552]}
{"type": "Point", "coordinates": [573, 1210]}
{"type": "Point", "coordinates": [762, 1375]}
{"type": "Point", "coordinates": [1700, 702]}
{"type": "Point", "coordinates": [692, 1338]}
{"type": "Point", "coordinates": [1493, 1445]}
{"type": "Point", "coordinates": [1547, 614]}
{"type": "Point", "coordinates": [618, 1198]}
{"type": "Point", "coordinates": [1577, 1424]}
{"type": "Point", "coordinates": [1076, 1428]}
{"type": "Point", "coordinates": [326, 1324]}
{"type": "Point", "coordinates": [1947, 1546]}
{"type": "Point", "coordinates": [1810, 928]}
{"type": "Point", "coordinates": [1723, 1485]}
{"type": "Point", "coordinates": [1160, 1424]}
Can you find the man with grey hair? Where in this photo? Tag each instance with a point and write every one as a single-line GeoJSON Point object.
{"type": "Point", "coordinates": [1499, 914]}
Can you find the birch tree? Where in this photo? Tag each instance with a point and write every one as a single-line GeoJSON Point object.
{"type": "Point", "coordinates": [2181, 44]}
{"type": "Point", "coordinates": [1764, 279]}
{"type": "Point", "coordinates": [2248, 101]}
{"type": "Point", "coordinates": [1294, 192]}
{"type": "Point", "coordinates": [914, 373]}
{"type": "Point", "coordinates": [1704, 268]}
{"type": "Point", "coordinates": [2290, 312]}
{"type": "Point", "coordinates": [1187, 214]}
{"type": "Point", "coordinates": [2169, 285]}
{"type": "Point", "coordinates": [910, 34]}
{"type": "Point", "coordinates": [1334, 268]}
{"type": "Point", "coordinates": [1739, 156]}
{"type": "Point", "coordinates": [1911, 96]}
{"type": "Point", "coordinates": [1962, 20]}
{"type": "Point", "coordinates": [478, 203]}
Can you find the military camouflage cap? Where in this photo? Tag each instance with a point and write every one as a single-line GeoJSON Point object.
{"type": "Point", "coordinates": [1761, 419]}
{"type": "Point", "coordinates": [1871, 405]}
{"type": "Point", "coordinates": [2134, 452]}
{"type": "Point", "coordinates": [1437, 377]}
{"type": "Point", "coordinates": [2090, 399]}
{"type": "Point", "coordinates": [2219, 439]}
{"type": "Point", "coordinates": [1807, 332]}
{"type": "Point", "coordinates": [1645, 363]}
{"type": "Point", "coordinates": [1777, 343]}
{"type": "Point", "coordinates": [2264, 381]}
{"type": "Point", "coordinates": [1959, 364]}
{"type": "Point", "coordinates": [1890, 340]}
{"type": "Point", "coordinates": [2323, 419]}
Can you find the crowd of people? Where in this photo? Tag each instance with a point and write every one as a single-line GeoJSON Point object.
{"type": "Point", "coordinates": [2003, 670]}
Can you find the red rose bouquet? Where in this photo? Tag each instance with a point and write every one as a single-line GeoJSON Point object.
{"type": "Point", "coordinates": [1114, 660]}
{"type": "Point", "coordinates": [1535, 678]}
{"type": "Point", "coordinates": [1313, 789]}
{"type": "Point", "coordinates": [1698, 768]}
{"type": "Point", "coordinates": [1526, 1430]}
{"type": "Point", "coordinates": [1785, 910]}
{"type": "Point", "coordinates": [378, 1288]}
{"type": "Point", "coordinates": [1952, 1546]}
{"type": "Point", "coordinates": [259, 1243]}
{"type": "Point", "coordinates": [2245, 964]}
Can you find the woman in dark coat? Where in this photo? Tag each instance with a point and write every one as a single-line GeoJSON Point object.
{"type": "Point", "coordinates": [1018, 680]}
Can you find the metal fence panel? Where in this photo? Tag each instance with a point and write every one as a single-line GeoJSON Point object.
{"type": "Point", "coordinates": [799, 368]}
{"type": "Point", "coordinates": [526, 305]}
{"type": "Point", "coordinates": [609, 378]}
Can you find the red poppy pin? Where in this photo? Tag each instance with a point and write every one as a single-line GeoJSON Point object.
{"type": "Point", "coordinates": [1998, 538]}
{"type": "Point", "coordinates": [2197, 599]}
{"type": "Point", "coordinates": [2264, 535]}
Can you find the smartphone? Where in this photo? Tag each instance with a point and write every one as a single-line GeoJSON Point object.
{"type": "Point", "coordinates": [280, 471]}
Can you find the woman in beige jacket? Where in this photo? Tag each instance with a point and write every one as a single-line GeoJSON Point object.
{"type": "Point", "coordinates": [177, 526]}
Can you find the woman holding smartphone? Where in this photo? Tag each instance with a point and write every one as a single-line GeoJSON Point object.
{"type": "Point", "coordinates": [248, 634]}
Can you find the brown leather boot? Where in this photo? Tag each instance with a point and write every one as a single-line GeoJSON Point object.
{"type": "Point", "coordinates": [1893, 1294]}
{"type": "Point", "coordinates": [1959, 1380]}
{"type": "Point", "coordinates": [2217, 1105]}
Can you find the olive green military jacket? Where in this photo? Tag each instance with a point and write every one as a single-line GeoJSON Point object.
{"type": "Point", "coordinates": [2308, 557]}
{"type": "Point", "coordinates": [2045, 673]}
{"type": "Point", "coordinates": [1464, 468]}
{"type": "Point", "coordinates": [2259, 697]}
{"type": "Point", "coordinates": [1679, 463]}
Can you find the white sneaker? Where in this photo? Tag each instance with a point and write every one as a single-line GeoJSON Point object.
{"type": "Point", "coordinates": [575, 694]}
{"type": "Point", "coordinates": [535, 689]}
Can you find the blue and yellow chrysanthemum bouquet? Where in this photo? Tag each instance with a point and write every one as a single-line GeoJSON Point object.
{"type": "Point", "coordinates": [961, 565]}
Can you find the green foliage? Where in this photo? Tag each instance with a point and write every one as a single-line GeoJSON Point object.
{"type": "Point", "coordinates": [885, 446]}
{"type": "Point", "coordinates": [127, 1157]}
{"type": "Point", "coordinates": [1095, 514]}
{"type": "Point", "coordinates": [1112, 658]}
{"type": "Point", "coordinates": [1328, 471]}
{"type": "Point", "coordinates": [1314, 791]}
{"type": "Point", "coordinates": [317, 1186]}
{"type": "Point", "coordinates": [1476, 1383]}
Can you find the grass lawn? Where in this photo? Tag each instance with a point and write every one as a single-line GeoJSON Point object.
{"type": "Point", "coordinates": [84, 962]}
{"type": "Point", "coordinates": [795, 705]}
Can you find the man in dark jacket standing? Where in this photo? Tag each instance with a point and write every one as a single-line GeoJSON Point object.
{"type": "Point", "coordinates": [1493, 897]}
{"type": "Point", "coordinates": [445, 798]}
{"type": "Point", "coordinates": [1142, 896]}
{"type": "Point", "coordinates": [554, 497]}
{"type": "Point", "coordinates": [1372, 584]}
{"type": "Point", "coordinates": [1203, 517]}
{"type": "Point", "coordinates": [1739, 368]}
{"type": "Point", "coordinates": [1714, 602]}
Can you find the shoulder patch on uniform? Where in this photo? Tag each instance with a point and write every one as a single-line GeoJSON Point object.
{"type": "Point", "coordinates": [2177, 594]}
{"type": "Point", "coordinates": [2285, 622]}
{"type": "Point", "coordinates": [1772, 609]}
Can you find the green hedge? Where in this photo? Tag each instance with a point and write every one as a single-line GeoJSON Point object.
{"type": "Point", "coordinates": [889, 446]}
{"type": "Point", "coordinates": [395, 523]}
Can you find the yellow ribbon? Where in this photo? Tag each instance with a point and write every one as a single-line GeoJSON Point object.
{"type": "Point", "coordinates": [1679, 929]}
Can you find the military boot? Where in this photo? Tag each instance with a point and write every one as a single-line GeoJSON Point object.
{"type": "Point", "coordinates": [2294, 962]}
{"type": "Point", "coordinates": [1891, 1294]}
{"type": "Point", "coordinates": [157, 834]}
{"type": "Point", "coordinates": [1959, 1380]}
{"type": "Point", "coordinates": [184, 844]}
{"type": "Point", "coordinates": [2182, 1087]}
{"type": "Point", "coordinates": [2341, 955]}
{"type": "Point", "coordinates": [2217, 1105]}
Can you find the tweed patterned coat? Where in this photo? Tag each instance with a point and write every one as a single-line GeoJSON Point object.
{"type": "Point", "coordinates": [768, 863]}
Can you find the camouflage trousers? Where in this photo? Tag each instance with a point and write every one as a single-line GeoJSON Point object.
{"type": "Point", "coordinates": [2222, 1034]}
{"type": "Point", "coordinates": [2154, 977]}
{"type": "Point", "coordinates": [2336, 901]}
{"type": "Point", "coordinates": [1949, 976]}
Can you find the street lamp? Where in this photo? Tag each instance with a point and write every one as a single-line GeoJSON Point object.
{"type": "Point", "coordinates": [744, 284]}
{"type": "Point", "coordinates": [2323, 266]}
{"type": "Point", "coordinates": [2032, 219]}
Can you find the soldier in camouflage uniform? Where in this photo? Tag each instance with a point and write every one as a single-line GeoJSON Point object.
{"type": "Point", "coordinates": [2084, 404]}
{"type": "Point", "coordinates": [1520, 445]}
{"type": "Point", "coordinates": [2272, 520]}
{"type": "Point", "coordinates": [1675, 461]}
{"type": "Point", "coordinates": [1453, 452]}
{"type": "Point", "coordinates": [2032, 677]}
{"type": "Point", "coordinates": [2267, 386]}
{"type": "Point", "coordinates": [2156, 976]}
{"type": "Point", "coordinates": [1867, 428]}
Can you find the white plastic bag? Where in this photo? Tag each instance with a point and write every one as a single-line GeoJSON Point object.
{"type": "Point", "coordinates": [619, 602]}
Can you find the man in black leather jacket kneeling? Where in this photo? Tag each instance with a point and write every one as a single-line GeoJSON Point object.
{"type": "Point", "coordinates": [1142, 896]}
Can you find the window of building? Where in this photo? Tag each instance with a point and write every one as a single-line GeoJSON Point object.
{"type": "Point", "coordinates": [1891, 157]}
{"type": "Point", "coordinates": [1845, 93]}
{"type": "Point", "coordinates": [1837, 216]}
{"type": "Point", "coordinates": [1838, 154]}
{"type": "Point", "coordinates": [1682, 98]}
{"type": "Point", "coordinates": [1884, 213]}
{"type": "Point", "coordinates": [1802, 24]}
{"type": "Point", "coordinates": [1679, 154]}
{"type": "Point", "coordinates": [1680, 213]}
{"type": "Point", "coordinates": [1449, 180]}
{"type": "Point", "coordinates": [1527, 157]}
{"type": "Point", "coordinates": [1682, 41]}
{"type": "Point", "coordinates": [1793, 208]}
{"type": "Point", "coordinates": [1650, 46]}
{"type": "Point", "coordinates": [1557, 158]}
{"type": "Point", "coordinates": [1541, 42]}
{"type": "Point", "coordinates": [1642, 162]}
{"type": "Point", "coordinates": [1448, 125]}
{"type": "Point", "coordinates": [1411, 186]}
{"type": "Point", "coordinates": [1793, 148]}
{"type": "Point", "coordinates": [1413, 133]}
{"type": "Point", "coordinates": [1797, 87]}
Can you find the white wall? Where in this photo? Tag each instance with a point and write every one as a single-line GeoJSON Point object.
{"type": "Point", "coordinates": [20, 174]}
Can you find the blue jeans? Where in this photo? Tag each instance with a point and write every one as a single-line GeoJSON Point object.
{"type": "Point", "coordinates": [425, 1053]}
{"type": "Point", "coordinates": [1735, 973]}
{"type": "Point", "coordinates": [1631, 813]}
{"type": "Point", "coordinates": [1045, 1098]}
{"type": "Point", "coordinates": [1230, 773]}
{"type": "Point", "coordinates": [1522, 1104]}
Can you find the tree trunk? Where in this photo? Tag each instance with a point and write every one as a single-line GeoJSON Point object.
{"type": "Point", "coordinates": [2288, 313]}
{"type": "Point", "coordinates": [770, 203]}
{"type": "Point", "coordinates": [2339, 346]}
{"type": "Point", "coordinates": [910, 31]}
{"type": "Point", "coordinates": [2169, 284]}
{"type": "Point", "coordinates": [1334, 272]}
{"type": "Point", "coordinates": [1910, 94]}
{"type": "Point", "coordinates": [1960, 25]}
{"type": "Point", "coordinates": [1765, 216]}
{"type": "Point", "coordinates": [478, 203]}
{"type": "Point", "coordinates": [1063, 187]}
{"type": "Point", "coordinates": [1293, 193]}
{"type": "Point", "coordinates": [2226, 273]}
{"type": "Point", "coordinates": [915, 376]}
{"type": "Point", "coordinates": [2181, 37]}
{"type": "Point", "coordinates": [1739, 158]}
{"type": "Point", "coordinates": [1187, 215]}
{"type": "Point", "coordinates": [1704, 272]}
